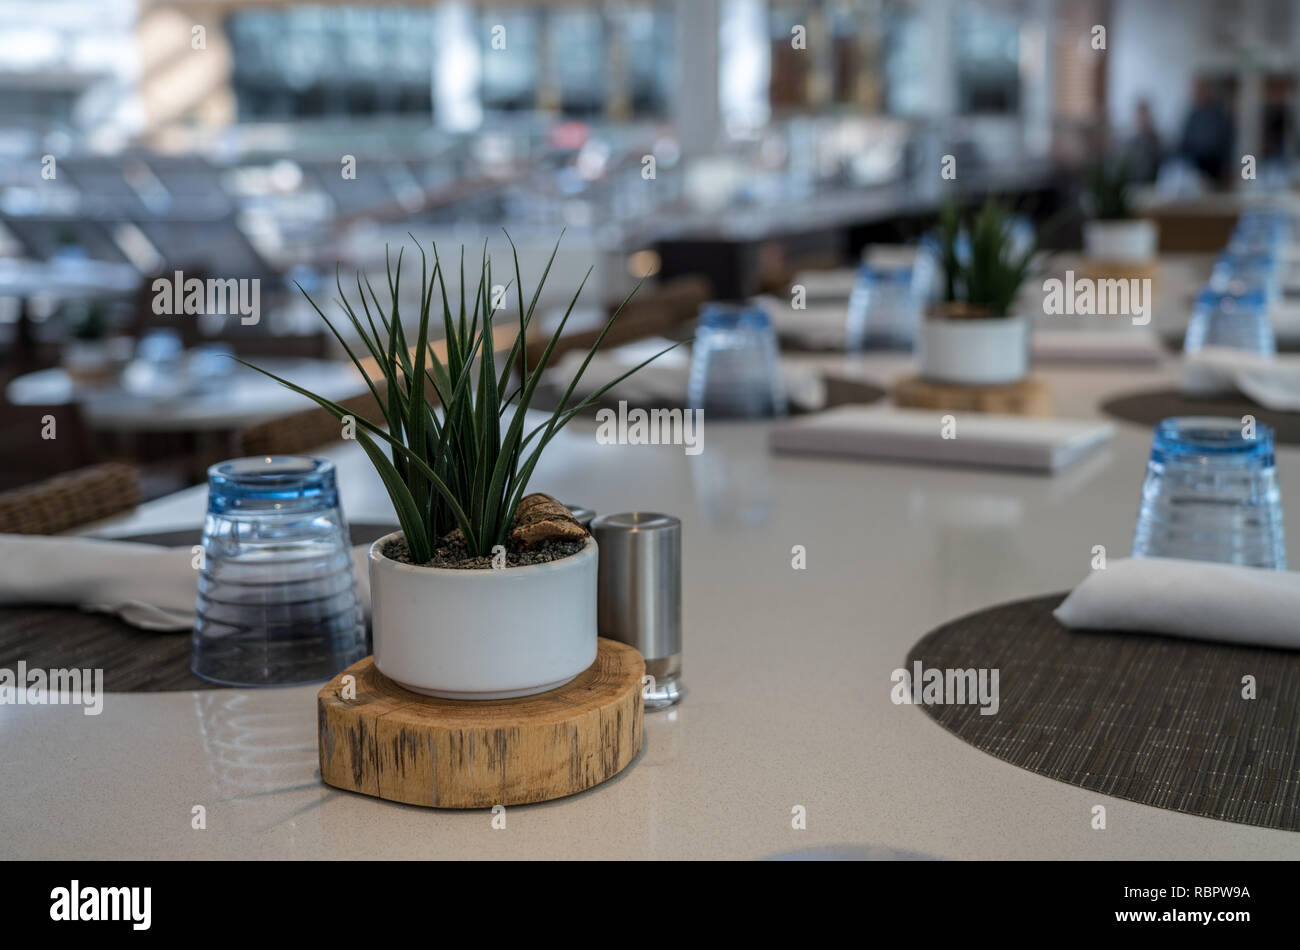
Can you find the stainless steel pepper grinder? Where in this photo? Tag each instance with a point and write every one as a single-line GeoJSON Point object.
{"type": "Point", "coordinates": [639, 598]}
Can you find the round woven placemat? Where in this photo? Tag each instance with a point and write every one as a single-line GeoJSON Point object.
{"type": "Point", "coordinates": [1151, 406]}
{"type": "Point", "coordinates": [133, 660]}
{"type": "Point", "coordinates": [1156, 720]}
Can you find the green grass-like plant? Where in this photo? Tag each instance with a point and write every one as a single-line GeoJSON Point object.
{"type": "Point", "coordinates": [451, 461]}
{"type": "Point", "coordinates": [990, 275]}
{"type": "Point", "coordinates": [1108, 191]}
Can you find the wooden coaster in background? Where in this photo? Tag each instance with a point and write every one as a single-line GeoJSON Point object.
{"type": "Point", "coordinates": [391, 743]}
{"type": "Point", "coordinates": [1028, 397]}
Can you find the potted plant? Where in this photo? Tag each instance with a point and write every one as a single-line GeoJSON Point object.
{"type": "Point", "coordinates": [1112, 233]}
{"type": "Point", "coordinates": [90, 355]}
{"type": "Point", "coordinates": [469, 599]}
{"type": "Point", "coordinates": [970, 338]}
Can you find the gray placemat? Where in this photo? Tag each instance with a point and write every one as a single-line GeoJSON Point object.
{"type": "Point", "coordinates": [133, 660]}
{"type": "Point", "coordinates": [1156, 720]}
{"type": "Point", "coordinates": [1151, 406]}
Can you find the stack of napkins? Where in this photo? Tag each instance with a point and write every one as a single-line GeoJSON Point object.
{"type": "Point", "coordinates": [147, 585]}
{"type": "Point", "coordinates": [930, 435]}
{"type": "Point", "coordinates": [1197, 599]}
{"type": "Point", "coordinates": [1272, 381]}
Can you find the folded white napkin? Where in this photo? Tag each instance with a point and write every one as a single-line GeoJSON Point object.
{"type": "Point", "coordinates": [667, 378]}
{"type": "Point", "coordinates": [1198, 599]}
{"type": "Point", "coordinates": [826, 284]}
{"type": "Point", "coordinates": [980, 439]}
{"type": "Point", "coordinates": [1285, 317]}
{"type": "Point", "coordinates": [148, 585]}
{"type": "Point", "coordinates": [1272, 381]}
{"type": "Point", "coordinates": [820, 325]}
{"type": "Point", "coordinates": [1138, 345]}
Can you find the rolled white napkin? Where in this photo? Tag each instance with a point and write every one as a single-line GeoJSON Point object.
{"type": "Point", "coordinates": [667, 378]}
{"type": "Point", "coordinates": [1133, 346]}
{"type": "Point", "coordinates": [1197, 599]}
{"type": "Point", "coordinates": [980, 439]}
{"type": "Point", "coordinates": [1272, 381]}
{"type": "Point", "coordinates": [148, 585]}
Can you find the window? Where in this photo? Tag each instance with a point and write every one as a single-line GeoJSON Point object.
{"type": "Point", "coordinates": [511, 42]}
{"type": "Point", "coordinates": [305, 62]}
{"type": "Point", "coordinates": [987, 52]}
{"type": "Point", "coordinates": [904, 60]}
{"type": "Point", "coordinates": [648, 42]}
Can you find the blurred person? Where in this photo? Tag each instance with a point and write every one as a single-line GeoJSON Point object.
{"type": "Point", "coordinates": [1208, 133]}
{"type": "Point", "coordinates": [1277, 119]}
{"type": "Point", "coordinates": [1144, 151]}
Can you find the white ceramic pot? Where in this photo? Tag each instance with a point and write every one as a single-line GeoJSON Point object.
{"type": "Point", "coordinates": [1125, 240]}
{"type": "Point", "coordinates": [974, 351]}
{"type": "Point", "coordinates": [483, 634]}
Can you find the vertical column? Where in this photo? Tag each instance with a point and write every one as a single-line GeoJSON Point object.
{"type": "Point", "coordinates": [1250, 90]}
{"type": "Point", "coordinates": [618, 99]}
{"type": "Point", "coordinates": [744, 58]}
{"type": "Point", "coordinates": [1037, 77]}
{"type": "Point", "coordinates": [456, 66]}
{"type": "Point", "coordinates": [941, 93]}
{"type": "Point", "coordinates": [941, 69]}
{"type": "Point", "coordinates": [821, 73]}
{"type": "Point", "coordinates": [550, 97]}
{"type": "Point", "coordinates": [696, 108]}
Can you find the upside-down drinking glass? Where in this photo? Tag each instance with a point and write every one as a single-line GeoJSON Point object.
{"type": "Point", "coordinates": [884, 309]}
{"type": "Point", "coordinates": [1247, 273]}
{"type": "Point", "coordinates": [1235, 320]}
{"type": "Point", "coordinates": [277, 601]}
{"type": "Point", "coordinates": [1211, 494]}
{"type": "Point", "coordinates": [735, 364]}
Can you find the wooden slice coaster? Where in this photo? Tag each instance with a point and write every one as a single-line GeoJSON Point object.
{"type": "Point", "coordinates": [445, 753]}
{"type": "Point", "coordinates": [1028, 397]}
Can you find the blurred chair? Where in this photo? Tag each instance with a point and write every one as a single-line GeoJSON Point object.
{"type": "Point", "coordinates": [39, 441]}
{"type": "Point", "coordinates": [69, 501]}
{"type": "Point", "coordinates": [658, 312]}
{"type": "Point", "coordinates": [304, 431]}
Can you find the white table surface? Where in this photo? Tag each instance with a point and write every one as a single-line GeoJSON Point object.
{"type": "Point", "coordinates": [787, 672]}
{"type": "Point", "coordinates": [244, 398]}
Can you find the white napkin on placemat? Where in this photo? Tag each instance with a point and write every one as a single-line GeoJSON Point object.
{"type": "Point", "coordinates": [1197, 599]}
{"type": "Point", "coordinates": [667, 378]}
{"type": "Point", "coordinates": [1272, 381]}
{"type": "Point", "coordinates": [148, 585]}
{"type": "Point", "coordinates": [980, 439]}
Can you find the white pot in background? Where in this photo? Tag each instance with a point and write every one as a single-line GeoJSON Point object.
{"type": "Point", "coordinates": [1131, 239]}
{"type": "Point", "coordinates": [974, 351]}
{"type": "Point", "coordinates": [483, 634]}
